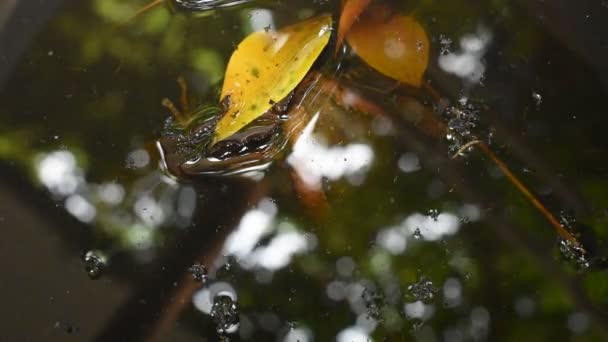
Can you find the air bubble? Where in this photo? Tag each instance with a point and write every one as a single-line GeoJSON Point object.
{"type": "Point", "coordinates": [537, 98]}
{"type": "Point", "coordinates": [434, 214]}
{"type": "Point", "coordinates": [94, 263]}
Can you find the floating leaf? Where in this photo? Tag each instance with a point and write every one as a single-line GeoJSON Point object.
{"type": "Point", "coordinates": [395, 45]}
{"type": "Point", "coordinates": [266, 67]}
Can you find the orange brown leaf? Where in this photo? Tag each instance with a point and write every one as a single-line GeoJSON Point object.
{"type": "Point", "coordinates": [396, 46]}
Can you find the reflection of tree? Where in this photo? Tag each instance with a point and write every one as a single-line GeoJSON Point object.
{"type": "Point", "coordinates": [96, 85]}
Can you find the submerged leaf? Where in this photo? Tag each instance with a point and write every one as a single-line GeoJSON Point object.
{"type": "Point", "coordinates": [395, 45]}
{"type": "Point", "coordinates": [266, 67]}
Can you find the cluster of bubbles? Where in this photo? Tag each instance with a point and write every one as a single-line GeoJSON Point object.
{"type": "Point", "coordinates": [225, 313]}
{"type": "Point", "coordinates": [462, 120]}
{"type": "Point", "coordinates": [422, 290]}
{"type": "Point", "coordinates": [199, 272]}
{"type": "Point", "coordinates": [374, 302]}
{"type": "Point", "coordinates": [574, 254]}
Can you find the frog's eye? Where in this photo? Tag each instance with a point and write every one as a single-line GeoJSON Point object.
{"type": "Point", "coordinates": [266, 67]}
{"type": "Point", "coordinates": [393, 44]}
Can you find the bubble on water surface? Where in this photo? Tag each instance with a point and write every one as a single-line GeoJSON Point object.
{"type": "Point", "coordinates": [225, 313]}
{"type": "Point", "coordinates": [423, 290]}
{"type": "Point", "coordinates": [67, 327]}
{"type": "Point", "coordinates": [199, 272]}
{"type": "Point", "coordinates": [434, 214]}
{"type": "Point", "coordinates": [537, 98]}
{"type": "Point", "coordinates": [94, 263]}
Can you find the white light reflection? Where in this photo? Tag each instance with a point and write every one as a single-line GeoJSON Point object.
{"type": "Point", "coordinates": [345, 266]}
{"type": "Point", "coordinates": [149, 211]}
{"type": "Point", "coordinates": [578, 322]}
{"type": "Point", "coordinates": [336, 290]}
{"type": "Point", "coordinates": [468, 63]}
{"type": "Point", "coordinates": [471, 212]}
{"type": "Point", "coordinates": [353, 334]}
{"type": "Point", "coordinates": [80, 208]}
{"type": "Point", "coordinates": [452, 292]}
{"type": "Point", "coordinates": [480, 323]}
{"type": "Point", "coordinates": [313, 160]}
{"type": "Point", "coordinates": [409, 162]}
{"type": "Point", "coordinates": [432, 229]}
{"type": "Point", "coordinates": [418, 310]}
{"type": "Point", "coordinates": [154, 199]}
{"type": "Point", "coordinates": [138, 159]}
{"type": "Point", "coordinates": [257, 223]}
{"type": "Point", "coordinates": [524, 306]}
{"type": "Point", "coordinates": [280, 250]}
{"type": "Point", "coordinates": [253, 226]}
{"type": "Point", "coordinates": [186, 202]}
{"type": "Point", "coordinates": [299, 334]}
{"type": "Point", "coordinates": [261, 19]}
{"type": "Point", "coordinates": [392, 239]}
{"type": "Point", "coordinates": [59, 173]}
{"type": "Point", "coordinates": [111, 193]}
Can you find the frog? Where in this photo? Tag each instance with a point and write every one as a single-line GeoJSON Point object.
{"type": "Point", "coordinates": [188, 151]}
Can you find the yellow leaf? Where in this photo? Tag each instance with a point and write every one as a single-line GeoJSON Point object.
{"type": "Point", "coordinates": [396, 46]}
{"type": "Point", "coordinates": [266, 67]}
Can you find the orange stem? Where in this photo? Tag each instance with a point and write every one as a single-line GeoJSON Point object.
{"type": "Point", "coordinates": [533, 200]}
{"type": "Point", "coordinates": [146, 8]}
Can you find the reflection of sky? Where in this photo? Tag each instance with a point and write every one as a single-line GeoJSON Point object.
{"type": "Point", "coordinates": [299, 334]}
{"type": "Point", "coordinates": [353, 333]}
{"type": "Point", "coordinates": [432, 229]}
{"type": "Point", "coordinates": [261, 19]}
{"type": "Point", "coordinates": [468, 64]}
{"type": "Point", "coordinates": [59, 173]}
{"type": "Point", "coordinates": [257, 223]}
{"type": "Point", "coordinates": [418, 310]}
{"type": "Point", "coordinates": [313, 160]}
{"type": "Point", "coordinates": [394, 239]}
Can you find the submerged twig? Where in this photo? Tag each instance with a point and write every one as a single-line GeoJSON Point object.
{"type": "Point", "coordinates": [565, 234]}
{"type": "Point", "coordinates": [144, 9]}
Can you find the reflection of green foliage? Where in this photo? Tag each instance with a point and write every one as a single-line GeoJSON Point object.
{"type": "Point", "coordinates": [596, 284]}
{"type": "Point", "coordinates": [102, 90]}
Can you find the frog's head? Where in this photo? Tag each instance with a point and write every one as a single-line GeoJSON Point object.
{"type": "Point", "coordinates": [188, 149]}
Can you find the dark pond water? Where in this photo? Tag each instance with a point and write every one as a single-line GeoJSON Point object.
{"type": "Point", "coordinates": [365, 230]}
